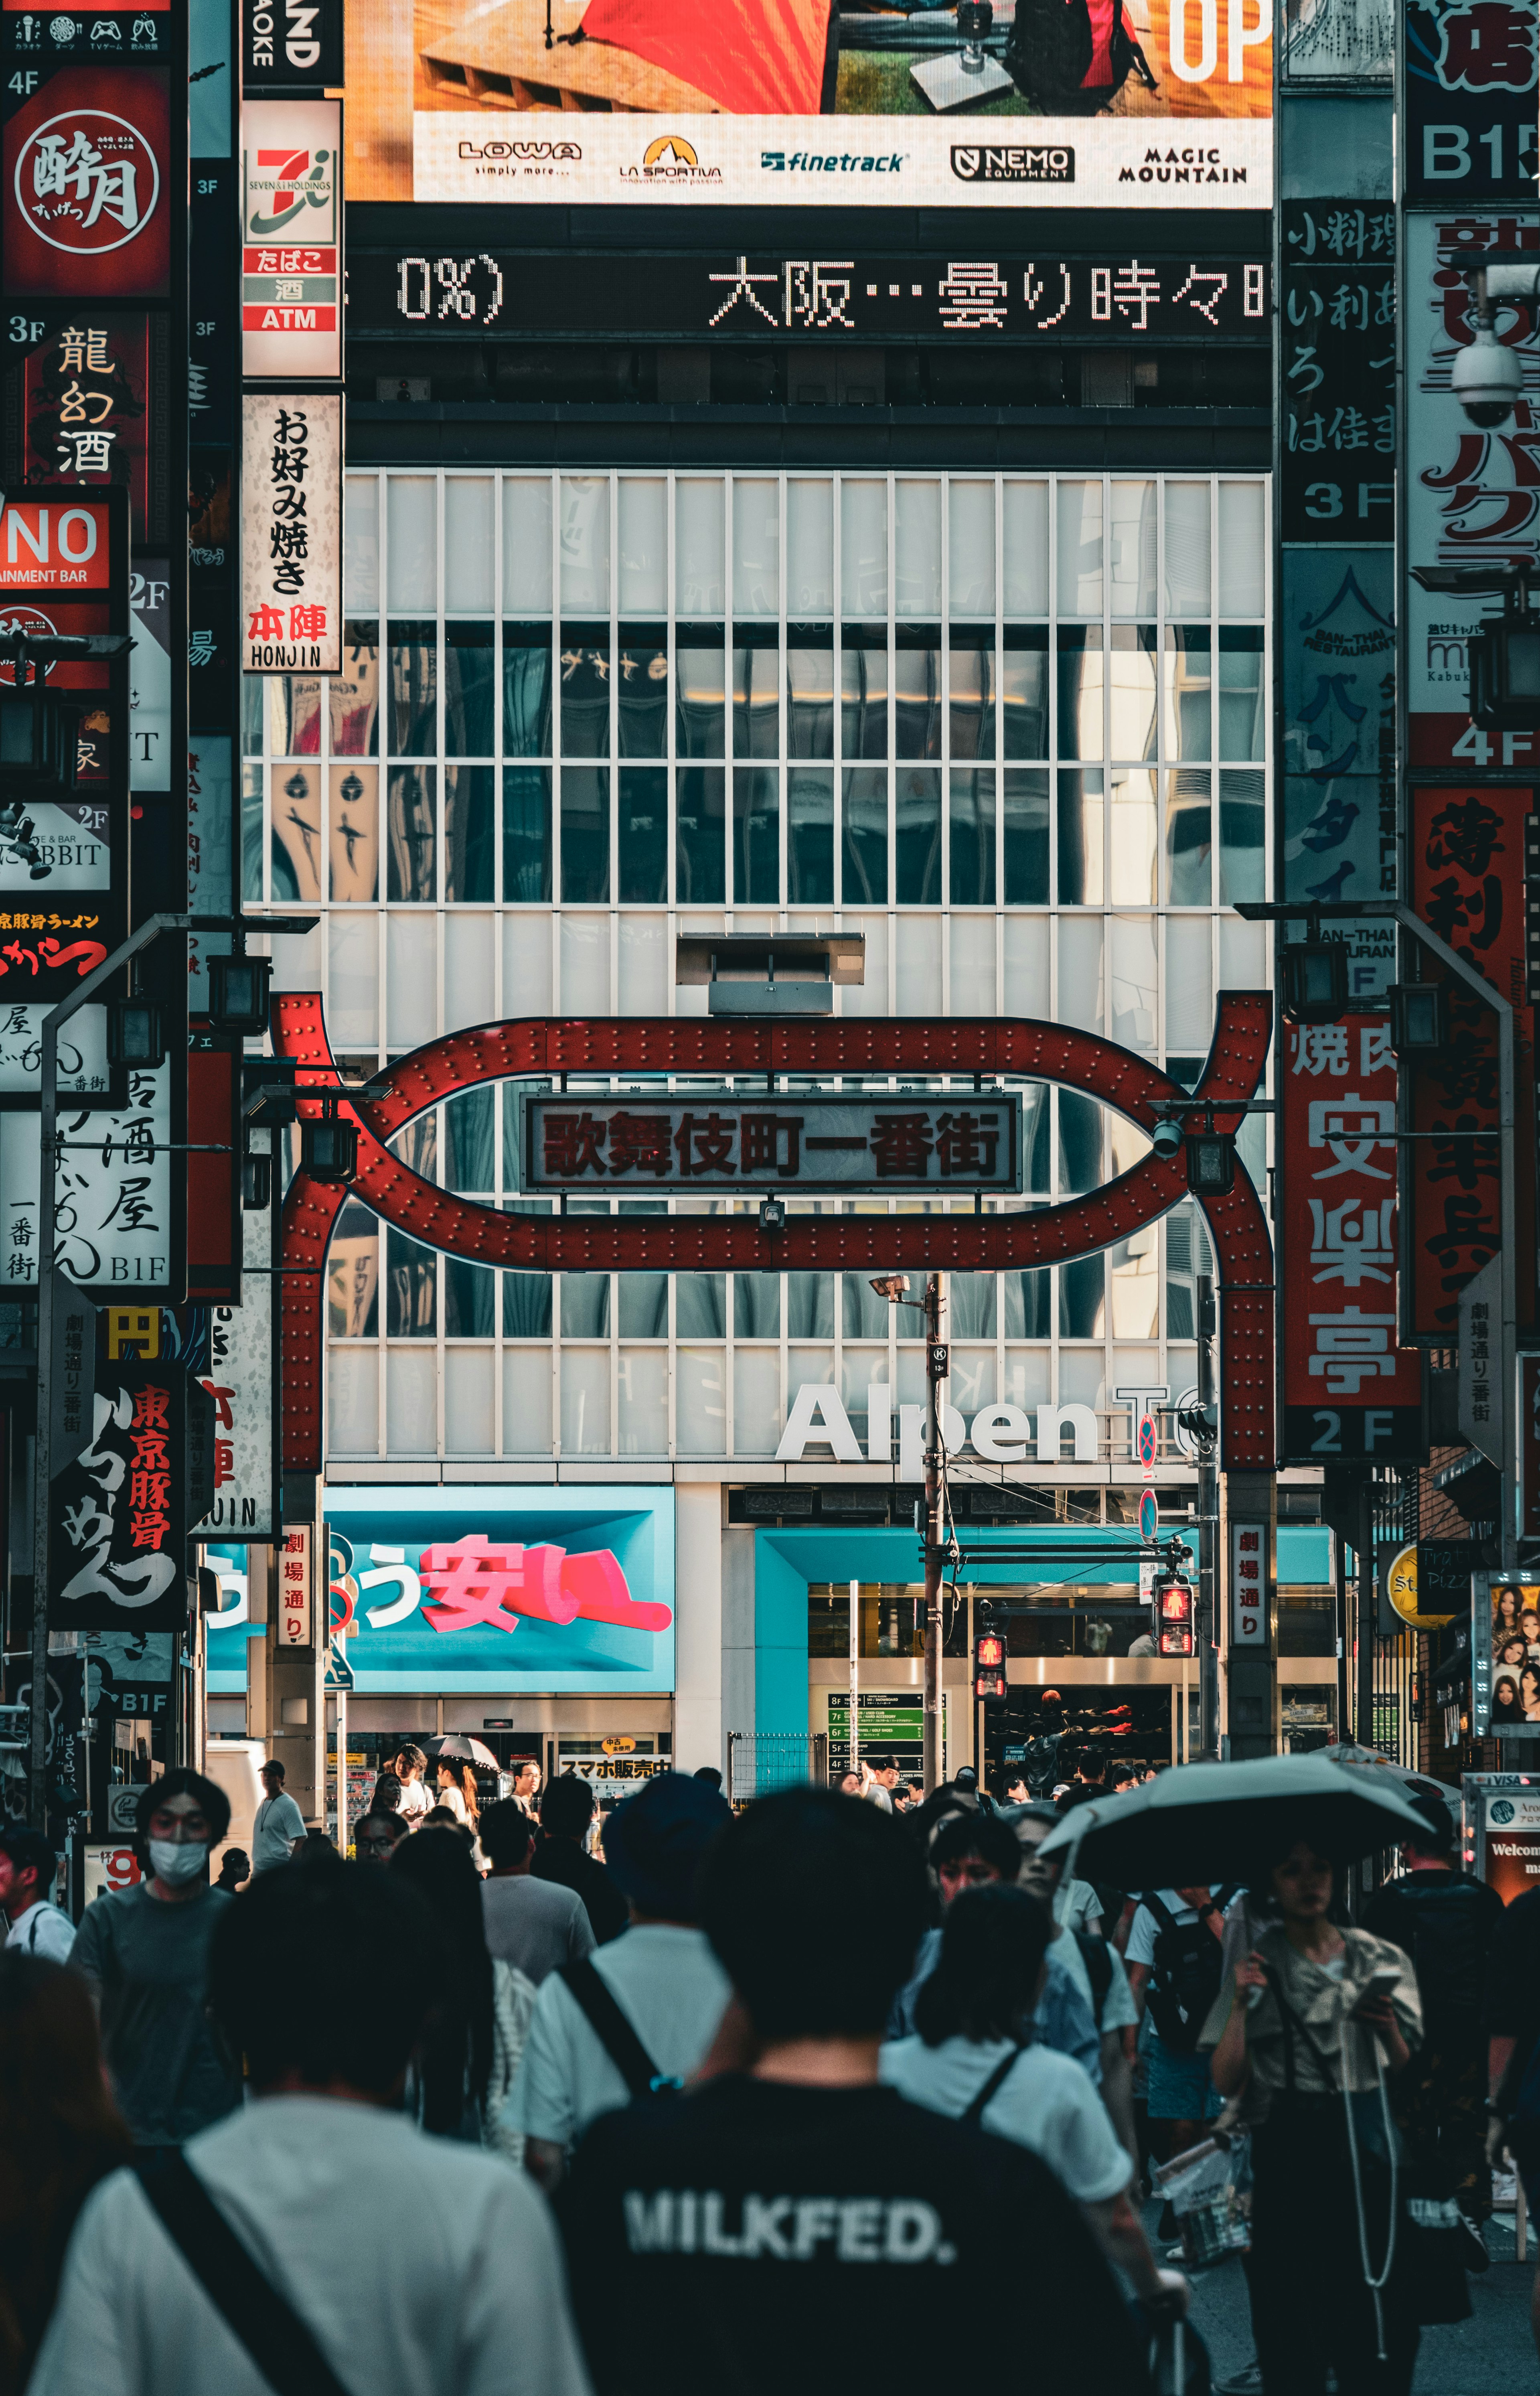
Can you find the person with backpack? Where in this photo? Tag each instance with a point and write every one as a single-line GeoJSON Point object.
{"type": "Point", "coordinates": [641, 2012]}
{"type": "Point", "coordinates": [1175, 1971]}
{"type": "Point", "coordinates": [1096, 1965]}
{"type": "Point", "coordinates": [1446, 1921]}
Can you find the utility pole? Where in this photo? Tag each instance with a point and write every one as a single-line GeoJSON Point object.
{"type": "Point", "coordinates": [1208, 1534]}
{"type": "Point", "coordinates": [936, 1371]}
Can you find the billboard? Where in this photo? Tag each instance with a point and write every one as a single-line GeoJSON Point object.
{"type": "Point", "coordinates": [505, 1589]}
{"type": "Point", "coordinates": [798, 102]}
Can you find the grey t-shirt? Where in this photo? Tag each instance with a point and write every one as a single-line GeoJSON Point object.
{"type": "Point", "coordinates": [150, 1961]}
{"type": "Point", "coordinates": [534, 1924]}
{"type": "Point", "coordinates": [279, 1822]}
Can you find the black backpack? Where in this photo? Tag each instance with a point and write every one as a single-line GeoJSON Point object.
{"type": "Point", "coordinates": [1447, 1930]}
{"type": "Point", "coordinates": [1097, 1956]}
{"type": "Point", "coordinates": [1048, 53]}
{"type": "Point", "coordinates": [1186, 1976]}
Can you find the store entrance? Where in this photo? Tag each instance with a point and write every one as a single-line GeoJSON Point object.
{"type": "Point", "coordinates": [1040, 1734]}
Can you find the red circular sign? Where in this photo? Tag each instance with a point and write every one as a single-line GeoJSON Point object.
{"type": "Point", "coordinates": [87, 182]}
{"type": "Point", "coordinates": [37, 626]}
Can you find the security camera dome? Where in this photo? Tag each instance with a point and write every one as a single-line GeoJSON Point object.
{"type": "Point", "coordinates": [1166, 1137]}
{"type": "Point", "coordinates": [1487, 379]}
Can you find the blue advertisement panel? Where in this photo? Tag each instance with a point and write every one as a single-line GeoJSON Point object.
{"type": "Point", "coordinates": [517, 1590]}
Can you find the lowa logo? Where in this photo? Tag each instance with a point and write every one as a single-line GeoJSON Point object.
{"type": "Point", "coordinates": [671, 159]}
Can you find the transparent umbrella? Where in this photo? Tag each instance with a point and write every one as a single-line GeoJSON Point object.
{"type": "Point", "coordinates": [1204, 1822]}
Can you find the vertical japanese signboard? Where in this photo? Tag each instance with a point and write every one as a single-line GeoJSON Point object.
{"type": "Point", "coordinates": [1466, 853]}
{"type": "Point", "coordinates": [1338, 462]}
{"type": "Point", "coordinates": [1351, 1393]}
{"type": "Point", "coordinates": [291, 239]}
{"type": "Point", "coordinates": [1248, 1544]}
{"type": "Point", "coordinates": [1470, 499]}
{"type": "Point", "coordinates": [1470, 100]}
{"type": "Point", "coordinates": [294, 1587]}
{"type": "Point", "coordinates": [291, 532]}
{"type": "Point", "coordinates": [119, 1515]}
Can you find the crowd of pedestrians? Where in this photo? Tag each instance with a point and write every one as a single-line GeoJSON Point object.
{"type": "Point", "coordinates": [731, 2097]}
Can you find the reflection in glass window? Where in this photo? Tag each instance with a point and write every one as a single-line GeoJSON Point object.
{"type": "Point", "coordinates": [585, 672]}
{"type": "Point", "coordinates": [353, 1275]}
{"type": "Point", "coordinates": [585, 833]}
{"type": "Point", "coordinates": [354, 694]}
{"type": "Point", "coordinates": [526, 1306]}
{"type": "Point", "coordinates": [1131, 695]}
{"type": "Point", "coordinates": [917, 836]}
{"type": "Point", "coordinates": [916, 700]}
{"type": "Point", "coordinates": [411, 1288]}
{"type": "Point", "coordinates": [297, 835]}
{"type": "Point", "coordinates": [1187, 675]}
{"type": "Point", "coordinates": [1036, 1121]}
{"type": "Point", "coordinates": [971, 1305]}
{"type": "Point", "coordinates": [1189, 840]}
{"type": "Point", "coordinates": [413, 689]}
{"type": "Point", "coordinates": [756, 703]}
{"type": "Point", "coordinates": [756, 833]}
{"type": "Point", "coordinates": [469, 818]}
{"type": "Point", "coordinates": [1027, 1304]}
{"type": "Point", "coordinates": [410, 825]}
{"type": "Point", "coordinates": [469, 1296]}
{"type": "Point", "coordinates": [1080, 690]}
{"type": "Point", "coordinates": [970, 702]}
{"type": "Point", "coordinates": [702, 687]}
{"type": "Point", "coordinates": [1079, 837]}
{"type": "Point", "coordinates": [294, 715]}
{"type": "Point", "coordinates": [527, 690]}
{"type": "Point", "coordinates": [1136, 1285]}
{"type": "Point", "coordinates": [864, 691]}
{"type": "Point", "coordinates": [1082, 1299]}
{"type": "Point", "coordinates": [1242, 836]}
{"type": "Point", "coordinates": [1024, 691]}
{"type": "Point", "coordinates": [701, 1306]}
{"type": "Point", "coordinates": [585, 1306]}
{"type": "Point", "coordinates": [809, 700]}
{"type": "Point", "coordinates": [644, 1305]}
{"type": "Point", "coordinates": [1243, 730]}
{"type": "Point", "coordinates": [354, 833]}
{"type": "Point", "coordinates": [863, 1315]}
{"type": "Point", "coordinates": [810, 1306]}
{"type": "Point", "coordinates": [470, 1147]}
{"type": "Point", "coordinates": [1026, 833]}
{"type": "Point", "coordinates": [641, 692]}
{"type": "Point", "coordinates": [416, 1145]}
{"type": "Point", "coordinates": [644, 835]}
{"type": "Point", "coordinates": [526, 835]}
{"type": "Point", "coordinates": [864, 816]}
{"type": "Point", "coordinates": [469, 690]}
{"type": "Point", "coordinates": [1080, 1143]}
{"type": "Point", "coordinates": [756, 1306]}
{"type": "Point", "coordinates": [701, 846]}
{"type": "Point", "coordinates": [809, 836]}
{"type": "Point", "coordinates": [1131, 842]}
{"type": "Point", "coordinates": [972, 840]}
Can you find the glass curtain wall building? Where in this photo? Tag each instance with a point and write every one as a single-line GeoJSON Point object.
{"type": "Point", "coordinates": [1013, 730]}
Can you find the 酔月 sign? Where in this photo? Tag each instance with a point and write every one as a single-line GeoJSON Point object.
{"type": "Point", "coordinates": [963, 1141]}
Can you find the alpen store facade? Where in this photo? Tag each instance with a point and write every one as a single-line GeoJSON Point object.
{"type": "Point", "coordinates": [1011, 728]}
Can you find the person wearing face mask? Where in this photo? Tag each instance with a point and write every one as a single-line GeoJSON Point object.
{"type": "Point", "coordinates": [143, 1953]}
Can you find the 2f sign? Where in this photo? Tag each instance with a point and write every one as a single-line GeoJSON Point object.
{"type": "Point", "coordinates": [1240, 37]}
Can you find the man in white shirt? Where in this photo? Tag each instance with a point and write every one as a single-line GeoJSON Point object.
{"type": "Point", "coordinates": [472, 2303]}
{"type": "Point", "coordinates": [27, 1867]}
{"type": "Point", "coordinates": [660, 1975]}
{"type": "Point", "coordinates": [278, 1831]}
{"type": "Point", "coordinates": [411, 1768]}
{"type": "Point", "coordinates": [1181, 2092]}
{"type": "Point", "coordinates": [882, 1781]}
{"type": "Point", "coordinates": [537, 1926]}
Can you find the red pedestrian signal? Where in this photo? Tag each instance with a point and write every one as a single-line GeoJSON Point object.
{"type": "Point", "coordinates": [1174, 1610]}
{"type": "Point", "coordinates": [989, 1683]}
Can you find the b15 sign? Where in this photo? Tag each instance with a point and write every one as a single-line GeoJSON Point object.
{"type": "Point", "coordinates": [503, 1588]}
{"type": "Point", "coordinates": [291, 533]}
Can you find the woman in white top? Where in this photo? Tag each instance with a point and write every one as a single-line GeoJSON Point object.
{"type": "Point", "coordinates": [971, 2060]}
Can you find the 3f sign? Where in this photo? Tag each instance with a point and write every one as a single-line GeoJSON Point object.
{"type": "Point", "coordinates": [1240, 37]}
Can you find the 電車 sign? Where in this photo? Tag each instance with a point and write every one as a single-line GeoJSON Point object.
{"type": "Point", "coordinates": [291, 533]}
{"type": "Point", "coordinates": [961, 1141]}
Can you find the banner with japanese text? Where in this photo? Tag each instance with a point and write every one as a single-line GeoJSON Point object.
{"type": "Point", "coordinates": [1470, 100]}
{"type": "Point", "coordinates": [1466, 854]}
{"type": "Point", "coordinates": [119, 1528]}
{"type": "Point", "coordinates": [504, 1589]}
{"type": "Point", "coordinates": [291, 237]}
{"type": "Point", "coordinates": [1350, 1392]}
{"type": "Point", "coordinates": [291, 532]}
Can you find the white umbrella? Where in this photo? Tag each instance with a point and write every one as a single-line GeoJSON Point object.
{"type": "Point", "coordinates": [460, 1749]}
{"type": "Point", "coordinates": [1205, 1822]}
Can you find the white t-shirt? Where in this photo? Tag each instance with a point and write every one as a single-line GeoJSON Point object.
{"type": "Point", "coordinates": [673, 1990]}
{"type": "Point", "coordinates": [279, 1822]}
{"type": "Point", "coordinates": [43, 1930]}
{"type": "Point", "coordinates": [1120, 2012]}
{"type": "Point", "coordinates": [1076, 1904]}
{"type": "Point", "coordinates": [472, 2303]}
{"type": "Point", "coordinates": [415, 1801]}
{"type": "Point", "coordinates": [1046, 2103]}
{"type": "Point", "coordinates": [449, 1796]}
{"type": "Point", "coordinates": [1145, 1929]}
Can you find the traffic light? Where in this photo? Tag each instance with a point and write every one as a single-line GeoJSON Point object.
{"type": "Point", "coordinates": [990, 1667]}
{"type": "Point", "coordinates": [1173, 1612]}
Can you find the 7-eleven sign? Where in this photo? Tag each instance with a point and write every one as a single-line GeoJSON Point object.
{"type": "Point", "coordinates": [291, 251]}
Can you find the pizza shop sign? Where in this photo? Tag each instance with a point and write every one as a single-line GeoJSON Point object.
{"type": "Point", "coordinates": [818, 1429]}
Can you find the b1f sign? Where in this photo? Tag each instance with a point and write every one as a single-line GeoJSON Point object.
{"type": "Point", "coordinates": [1248, 1547]}
{"type": "Point", "coordinates": [293, 1609]}
{"type": "Point", "coordinates": [291, 533]}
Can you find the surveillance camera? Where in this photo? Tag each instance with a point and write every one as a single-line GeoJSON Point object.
{"type": "Point", "coordinates": [1166, 1137]}
{"type": "Point", "coordinates": [1487, 379]}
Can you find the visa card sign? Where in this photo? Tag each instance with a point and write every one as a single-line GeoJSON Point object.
{"type": "Point", "coordinates": [499, 1588]}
